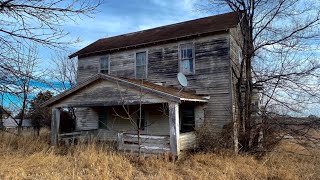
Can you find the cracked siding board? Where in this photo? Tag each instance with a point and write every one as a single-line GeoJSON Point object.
{"type": "Point", "coordinates": [212, 71]}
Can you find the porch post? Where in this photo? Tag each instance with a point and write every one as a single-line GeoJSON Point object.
{"type": "Point", "coordinates": [55, 125]}
{"type": "Point", "coordinates": [174, 128]}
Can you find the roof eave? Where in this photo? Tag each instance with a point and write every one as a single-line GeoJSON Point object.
{"type": "Point", "coordinates": [193, 100]}
{"type": "Point", "coordinates": [92, 79]}
{"type": "Point", "coordinates": [152, 42]}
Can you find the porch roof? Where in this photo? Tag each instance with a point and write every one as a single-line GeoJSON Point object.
{"type": "Point", "coordinates": [170, 93]}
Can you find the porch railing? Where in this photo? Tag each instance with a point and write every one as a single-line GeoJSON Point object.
{"type": "Point", "coordinates": [74, 137]}
{"type": "Point", "coordinates": [149, 144]}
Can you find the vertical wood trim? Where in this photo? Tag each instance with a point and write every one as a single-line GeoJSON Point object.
{"type": "Point", "coordinates": [199, 116]}
{"type": "Point", "coordinates": [194, 56]}
{"type": "Point", "coordinates": [55, 125]}
{"type": "Point", "coordinates": [174, 128]}
{"type": "Point", "coordinates": [230, 77]}
{"type": "Point", "coordinates": [120, 140]}
{"type": "Point", "coordinates": [179, 58]}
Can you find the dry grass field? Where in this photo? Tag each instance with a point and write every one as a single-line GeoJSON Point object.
{"type": "Point", "coordinates": [32, 158]}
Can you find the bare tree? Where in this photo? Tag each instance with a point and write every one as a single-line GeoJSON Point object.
{"type": "Point", "coordinates": [64, 71]}
{"type": "Point", "coordinates": [24, 86]}
{"type": "Point", "coordinates": [63, 75]}
{"type": "Point", "coordinates": [25, 24]}
{"type": "Point", "coordinates": [38, 22]}
{"type": "Point", "coordinates": [134, 114]}
{"type": "Point", "coordinates": [280, 40]}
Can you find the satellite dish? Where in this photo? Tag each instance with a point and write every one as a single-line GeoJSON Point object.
{"type": "Point", "coordinates": [182, 80]}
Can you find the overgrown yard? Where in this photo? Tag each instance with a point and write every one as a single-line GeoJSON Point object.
{"type": "Point", "coordinates": [32, 158]}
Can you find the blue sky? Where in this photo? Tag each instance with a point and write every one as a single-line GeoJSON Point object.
{"type": "Point", "coordinates": [120, 17]}
{"type": "Point", "coordinates": [125, 16]}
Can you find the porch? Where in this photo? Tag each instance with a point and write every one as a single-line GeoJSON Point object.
{"type": "Point", "coordinates": [166, 128]}
{"type": "Point", "coordinates": [145, 118]}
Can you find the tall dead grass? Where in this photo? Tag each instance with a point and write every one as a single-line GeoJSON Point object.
{"type": "Point", "coordinates": [28, 157]}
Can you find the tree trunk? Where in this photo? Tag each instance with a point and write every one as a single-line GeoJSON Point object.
{"type": "Point", "coordinates": [236, 135]}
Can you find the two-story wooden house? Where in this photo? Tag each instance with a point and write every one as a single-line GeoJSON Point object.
{"type": "Point", "coordinates": [129, 82]}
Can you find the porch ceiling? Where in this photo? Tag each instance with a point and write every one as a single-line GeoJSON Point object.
{"type": "Point", "coordinates": [106, 90]}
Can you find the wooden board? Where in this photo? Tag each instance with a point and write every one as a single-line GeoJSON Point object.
{"type": "Point", "coordinates": [212, 72]}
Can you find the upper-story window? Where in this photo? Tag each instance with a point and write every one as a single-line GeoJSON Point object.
{"type": "Point", "coordinates": [187, 60]}
{"type": "Point", "coordinates": [104, 65]}
{"type": "Point", "coordinates": [141, 65]}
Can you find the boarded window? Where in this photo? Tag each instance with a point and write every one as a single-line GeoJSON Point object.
{"type": "Point", "coordinates": [103, 116]}
{"type": "Point", "coordinates": [104, 65]}
{"type": "Point", "coordinates": [187, 118]}
{"type": "Point", "coordinates": [187, 58]}
{"type": "Point", "coordinates": [141, 65]}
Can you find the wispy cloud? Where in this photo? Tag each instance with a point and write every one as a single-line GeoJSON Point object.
{"type": "Point", "coordinates": [115, 18]}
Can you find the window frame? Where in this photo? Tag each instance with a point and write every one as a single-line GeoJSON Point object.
{"type": "Point", "coordinates": [184, 126]}
{"type": "Point", "coordinates": [146, 65]}
{"type": "Point", "coordinates": [193, 58]}
{"type": "Point", "coordinates": [108, 58]}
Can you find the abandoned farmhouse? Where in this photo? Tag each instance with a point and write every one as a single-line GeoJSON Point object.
{"type": "Point", "coordinates": [127, 85]}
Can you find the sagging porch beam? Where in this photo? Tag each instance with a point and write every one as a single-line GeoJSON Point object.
{"type": "Point", "coordinates": [174, 128]}
{"type": "Point", "coordinates": [55, 125]}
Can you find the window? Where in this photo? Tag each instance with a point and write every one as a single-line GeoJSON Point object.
{"type": "Point", "coordinates": [103, 115]}
{"type": "Point", "coordinates": [187, 120]}
{"type": "Point", "coordinates": [142, 125]}
{"type": "Point", "coordinates": [141, 65]}
{"type": "Point", "coordinates": [104, 65]}
{"type": "Point", "coordinates": [187, 58]}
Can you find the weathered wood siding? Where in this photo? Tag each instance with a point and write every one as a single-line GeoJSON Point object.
{"type": "Point", "coordinates": [149, 145]}
{"type": "Point", "coordinates": [212, 72]}
{"type": "Point", "coordinates": [187, 141]}
{"type": "Point", "coordinates": [86, 119]}
{"type": "Point", "coordinates": [157, 123]}
{"type": "Point", "coordinates": [105, 93]}
{"type": "Point", "coordinates": [106, 135]}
